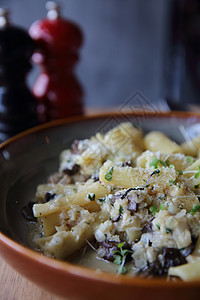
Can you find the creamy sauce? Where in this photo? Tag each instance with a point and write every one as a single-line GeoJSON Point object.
{"type": "Point", "coordinates": [88, 258]}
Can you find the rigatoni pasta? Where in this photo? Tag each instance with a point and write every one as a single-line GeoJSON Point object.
{"type": "Point", "coordinates": [158, 141]}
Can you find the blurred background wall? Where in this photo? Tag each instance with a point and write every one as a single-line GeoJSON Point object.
{"type": "Point", "coordinates": [124, 49]}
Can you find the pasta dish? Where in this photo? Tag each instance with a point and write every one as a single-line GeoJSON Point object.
{"type": "Point", "coordinates": [132, 199]}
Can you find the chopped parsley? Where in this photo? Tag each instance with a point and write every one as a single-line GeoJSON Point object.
{"type": "Point", "coordinates": [171, 182]}
{"type": "Point", "coordinates": [198, 173]}
{"type": "Point", "coordinates": [190, 160]}
{"type": "Point", "coordinates": [155, 162]}
{"type": "Point", "coordinates": [120, 209]}
{"type": "Point", "coordinates": [195, 209]}
{"type": "Point", "coordinates": [120, 246]}
{"type": "Point", "coordinates": [164, 163]}
{"type": "Point", "coordinates": [91, 196]}
{"type": "Point", "coordinates": [109, 173]}
{"type": "Point", "coordinates": [171, 166]}
{"type": "Point", "coordinates": [162, 207]}
{"type": "Point", "coordinates": [154, 210]}
{"type": "Point", "coordinates": [180, 172]}
{"type": "Point", "coordinates": [196, 186]}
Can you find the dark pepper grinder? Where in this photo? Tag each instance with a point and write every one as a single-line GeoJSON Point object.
{"type": "Point", "coordinates": [57, 89]}
{"type": "Point", "coordinates": [18, 110]}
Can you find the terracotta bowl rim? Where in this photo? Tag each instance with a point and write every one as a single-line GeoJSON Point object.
{"type": "Point", "coordinates": [80, 271]}
{"type": "Point", "coordinates": [139, 113]}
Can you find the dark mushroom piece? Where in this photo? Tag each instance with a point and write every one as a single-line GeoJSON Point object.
{"type": "Point", "coordinates": [110, 248]}
{"type": "Point", "coordinates": [72, 171]}
{"type": "Point", "coordinates": [171, 257]}
{"type": "Point", "coordinates": [27, 212]}
{"type": "Point", "coordinates": [49, 196]}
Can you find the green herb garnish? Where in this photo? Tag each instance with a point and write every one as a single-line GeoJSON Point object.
{"type": "Point", "coordinates": [180, 172]}
{"type": "Point", "coordinates": [190, 160]}
{"type": "Point", "coordinates": [195, 209]}
{"type": "Point", "coordinates": [120, 210]}
{"type": "Point", "coordinates": [171, 182]}
{"type": "Point", "coordinates": [171, 166]}
{"type": "Point", "coordinates": [162, 207]}
{"type": "Point", "coordinates": [91, 196]}
{"type": "Point", "coordinates": [154, 210]}
{"type": "Point", "coordinates": [109, 173]}
{"type": "Point", "coordinates": [164, 163]}
{"type": "Point", "coordinates": [120, 258]}
{"type": "Point", "coordinates": [155, 162]}
{"type": "Point", "coordinates": [198, 173]}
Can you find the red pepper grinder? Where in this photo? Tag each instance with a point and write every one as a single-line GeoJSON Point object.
{"type": "Point", "coordinates": [57, 89]}
{"type": "Point", "coordinates": [17, 104]}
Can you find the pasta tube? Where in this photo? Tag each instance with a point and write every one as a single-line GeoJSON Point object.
{"type": "Point", "coordinates": [158, 141]}
{"type": "Point", "coordinates": [127, 177]}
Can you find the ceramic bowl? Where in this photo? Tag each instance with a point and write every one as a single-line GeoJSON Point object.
{"type": "Point", "coordinates": [26, 160]}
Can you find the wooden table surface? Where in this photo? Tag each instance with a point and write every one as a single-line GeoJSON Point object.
{"type": "Point", "coordinates": [15, 287]}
